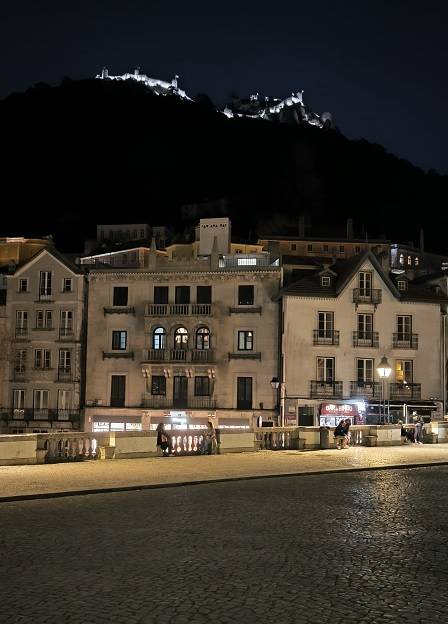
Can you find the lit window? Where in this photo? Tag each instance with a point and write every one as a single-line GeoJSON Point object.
{"type": "Point", "coordinates": [247, 261]}
{"type": "Point", "coordinates": [401, 258]}
{"type": "Point", "coordinates": [416, 261]}
{"type": "Point", "coordinates": [159, 338]}
{"type": "Point", "coordinates": [401, 285]}
{"type": "Point", "coordinates": [245, 340]}
{"type": "Point", "coordinates": [325, 281]}
{"type": "Point", "coordinates": [409, 260]}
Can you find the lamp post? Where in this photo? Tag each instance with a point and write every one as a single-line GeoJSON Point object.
{"type": "Point", "coordinates": [384, 370]}
{"type": "Point", "coordinates": [276, 385]}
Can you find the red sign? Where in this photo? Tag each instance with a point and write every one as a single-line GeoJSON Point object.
{"type": "Point", "coordinates": [339, 409]}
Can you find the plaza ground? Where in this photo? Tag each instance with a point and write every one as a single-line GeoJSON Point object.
{"type": "Point", "coordinates": [364, 547]}
{"type": "Point", "coordinates": [90, 476]}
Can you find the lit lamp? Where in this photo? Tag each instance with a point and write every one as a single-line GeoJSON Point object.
{"type": "Point", "coordinates": [384, 370]}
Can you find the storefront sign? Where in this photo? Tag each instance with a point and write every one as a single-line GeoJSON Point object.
{"type": "Point", "coordinates": [342, 410]}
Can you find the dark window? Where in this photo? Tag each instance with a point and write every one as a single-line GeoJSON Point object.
{"type": "Point", "coordinates": [161, 294]}
{"type": "Point", "coordinates": [182, 294]}
{"type": "Point", "coordinates": [357, 250]}
{"type": "Point", "coordinates": [341, 248]}
{"type": "Point", "coordinates": [67, 286]}
{"type": "Point", "coordinates": [204, 294]}
{"type": "Point", "coordinates": [120, 295]}
{"type": "Point", "coordinates": [306, 416]}
{"type": "Point", "coordinates": [201, 386]}
{"type": "Point", "coordinates": [293, 247]}
{"type": "Point", "coordinates": [310, 248]}
{"type": "Point", "coordinates": [158, 384]}
{"type": "Point", "coordinates": [119, 340]}
{"type": "Point", "coordinates": [117, 390]}
{"type": "Point", "coordinates": [244, 393]}
{"type": "Point", "coordinates": [245, 295]}
{"type": "Point", "coordinates": [245, 340]}
{"type": "Point", "coordinates": [23, 285]}
{"type": "Point", "coordinates": [180, 391]}
{"type": "Point", "coordinates": [325, 247]}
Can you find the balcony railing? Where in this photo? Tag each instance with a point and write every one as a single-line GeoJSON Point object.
{"type": "Point", "coordinates": [326, 389]}
{"type": "Point", "coordinates": [164, 402]}
{"type": "Point", "coordinates": [325, 337]}
{"type": "Point", "coordinates": [179, 355]}
{"type": "Point", "coordinates": [365, 339]}
{"type": "Point", "coordinates": [368, 389]}
{"type": "Point", "coordinates": [405, 341]}
{"type": "Point", "coordinates": [66, 333]}
{"type": "Point", "coordinates": [46, 296]}
{"type": "Point", "coordinates": [44, 413]}
{"type": "Point", "coordinates": [65, 373]}
{"type": "Point", "coordinates": [405, 391]}
{"type": "Point", "coordinates": [19, 374]}
{"type": "Point", "coordinates": [119, 310]}
{"type": "Point", "coordinates": [178, 309]}
{"type": "Point", "coordinates": [367, 295]}
{"type": "Point", "coordinates": [22, 332]}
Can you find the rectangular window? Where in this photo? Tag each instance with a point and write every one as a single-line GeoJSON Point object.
{"type": "Point", "coordinates": [23, 285]}
{"type": "Point", "coordinates": [18, 399]}
{"type": "Point", "coordinates": [325, 324]}
{"type": "Point", "coordinates": [67, 284]}
{"type": "Point", "coordinates": [119, 340]}
{"type": "Point", "coordinates": [401, 285]}
{"type": "Point", "coordinates": [244, 393]}
{"type": "Point", "coordinates": [182, 295]}
{"type": "Point", "coordinates": [357, 250]}
{"type": "Point", "coordinates": [201, 386]}
{"type": "Point", "coordinates": [40, 399]}
{"type": "Point", "coordinates": [404, 327]}
{"type": "Point", "coordinates": [341, 249]}
{"type": "Point", "coordinates": [158, 385]}
{"type": "Point", "coordinates": [65, 360]}
{"type": "Point", "coordinates": [203, 294]}
{"type": "Point", "coordinates": [325, 281]}
{"type": "Point", "coordinates": [120, 296]}
{"type": "Point", "coordinates": [22, 319]}
{"type": "Point", "coordinates": [365, 283]}
{"type": "Point", "coordinates": [161, 294]}
{"type": "Point", "coordinates": [42, 359]}
{"type": "Point", "coordinates": [45, 284]}
{"type": "Point", "coordinates": [310, 248]}
{"type": "Point", "coordinates": [365, 326]}
{"type": "Point", "coordinates": [180, 391]}
{"type": "Point", "coordinates": [64, 400]}
{"type": "Point", "coordinates": [293, 247]}
{"type": "Point", "coordinates": [325, 369]}
{"type": "Point", "coordinates": [117, 390]}
{"type": "Point", "coordinates": [404, 371]}
{"type": "Point", "coordinates": [245, 296]}
{"type": "Point", "coordinates": [364, 370]}
{"type": "Point", "coordinates": [245, 340]}
{"type": "Point", "coordinates": [20, 361]}
{"type": "Point", "coordinates": [44, 319]}
{"type": "Point", "coordinates": [66, 320]}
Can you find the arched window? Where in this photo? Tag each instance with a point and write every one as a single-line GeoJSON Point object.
{"type": "Point", "coordinates": [203, 338]}
{"type": "Point", "coordinates": [401, 258]}
{"type": "Point", "coordinates": [409, 260]}
{"type": "Point", "coordinates": [180, 338]}
{"type": "Point", "coordinates": [159, 338]}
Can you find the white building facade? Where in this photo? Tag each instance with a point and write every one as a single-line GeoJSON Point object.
{"type": "Point", "coordinates": [338, 322]}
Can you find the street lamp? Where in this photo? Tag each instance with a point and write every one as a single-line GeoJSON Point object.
{"type": "Point", "coordinates": [384, 370]}
{"type": "Point", "coordinates": [275, 385]}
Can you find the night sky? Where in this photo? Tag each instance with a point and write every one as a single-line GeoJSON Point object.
{"type": "Point", "coordinates": [378, 66]}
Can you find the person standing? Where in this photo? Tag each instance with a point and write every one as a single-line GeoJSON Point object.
{"type": "Point", "coordinates": [339, 435]}
{"type": "Point", "coordinates": [210, 443]}
{"type": "Point", "coordinates": [163, 440]}
{"type": "Point", "coordinates": [347, 432]}
{"type": "Point", "coordinates": [419, 431]}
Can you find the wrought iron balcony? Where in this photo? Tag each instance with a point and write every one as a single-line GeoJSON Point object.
{"type": "Point", "coordinates": [405, 341]}
{"type": "Point", "coordinates": [155, 401]}
{"type": "Point", "coordinates": [65, 373]}
{"type": "Point", "coordinates": [46, 296]}
{"type": "Point", "coordinates": [365, 339]}
{"type": "Point", "coordinates": [326, 389]}
{"type": "Point", "coordinates": [368, 389]}
{"type": "Point", "coordinates": [44, 413]}
{"type": "Point", "coordinates": [178, 309]}
{"type": "Point", "coordinates": [367, 295]}
{"type": "Point", "coordinates": [405, 391]}
{"type": "Point", "coordinates": [179, 355]}
{"type": "Point", "coordinates": [325, 337]}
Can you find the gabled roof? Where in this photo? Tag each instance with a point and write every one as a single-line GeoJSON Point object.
{"type": "Point", "coordinates": [308, 283]}
{"type": "Point", "coordinates": [73, 268]}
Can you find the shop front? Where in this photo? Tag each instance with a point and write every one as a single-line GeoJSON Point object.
{"type": "Point", "coordinates": [330, 414]}
{"type": "Point", "coordinates": [105, 423]}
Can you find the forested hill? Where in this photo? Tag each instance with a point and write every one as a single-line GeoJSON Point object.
{"type": "Point", "coordinates": [98, 151]}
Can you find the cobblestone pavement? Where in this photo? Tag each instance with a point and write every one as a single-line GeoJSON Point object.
{"type": "Point", "coordinates": [365, 547]}
{"type": "Point", "coordinates": [35, 480]}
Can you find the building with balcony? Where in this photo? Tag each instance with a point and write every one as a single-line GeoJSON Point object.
{"type": "Point", "coordinates": [339, 320]}
{"type": "Point", "coordinates": [42, 336]}
{"type": "Point", "coordinates": [185, 339]}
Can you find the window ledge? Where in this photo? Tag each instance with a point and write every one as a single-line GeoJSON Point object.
{"type": "Point", "coordinates": [252, 355]}
{"type": "Point", "coordinates": [118, 354]}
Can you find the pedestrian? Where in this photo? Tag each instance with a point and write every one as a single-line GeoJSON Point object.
{"type": "Point", "coordinates": [163, 440]}
{"type": "Point", "coordinates": [339, 435]}
{"type": "Point", "coordinates": [419, 431]}
{"type": "Point", "coordinates": [348, 435]}
{"type": "Point", "coordinates": [209, 446]}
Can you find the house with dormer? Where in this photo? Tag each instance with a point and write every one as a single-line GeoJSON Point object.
{"type": "Point", "coordinates": [339, 321]}
{"type": "Point", "coordinates": [44, 330]}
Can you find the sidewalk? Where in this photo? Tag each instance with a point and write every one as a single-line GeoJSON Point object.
{"type": "Point", "coordinates": [48, 480]}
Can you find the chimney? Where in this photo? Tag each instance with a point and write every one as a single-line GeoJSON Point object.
{"type": "Point", "coordinates": [422, 240]}
{"type": "Point", "coordinates": [349, 229]}
{"type": "Point", "coordinates": [302, 226]}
